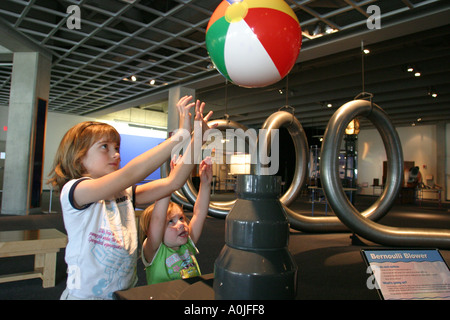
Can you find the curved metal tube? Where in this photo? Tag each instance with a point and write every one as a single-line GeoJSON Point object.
{"type": "Point", "coordinates": [356, 221]}
{"type": "Point", "coordinates": [287, 120]}
{"type": "Point", "coordinates": [217, 209]}
{"type": "Point", "coordinates": [297, 220]}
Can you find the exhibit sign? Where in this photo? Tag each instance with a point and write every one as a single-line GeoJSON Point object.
{"type": "Point", "coordinates": [408, 274]}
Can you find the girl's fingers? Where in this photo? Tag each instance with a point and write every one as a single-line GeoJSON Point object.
{"type": "Point", "coordinates": [206, 118]}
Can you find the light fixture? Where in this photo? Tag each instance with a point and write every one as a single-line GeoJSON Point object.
{"type": "Point", "coordinates": [133, 78]}
{"type": "Point", "coordinates": [152, 82]}
{"type": "Point", "coordinates": [412, 69]}
{"type": "Point", "coordinates": [352, 127]}
{"type": "Point", "coordinates": [329, 30]}
{"type": "Point", "coordinates": [366, 51]}
{"type": "Point", "coordinates": [329, 105]}
{"type": "Point", "coordinates": [317, 31]}
{"type": "Point", "coordinates": [432, 93]}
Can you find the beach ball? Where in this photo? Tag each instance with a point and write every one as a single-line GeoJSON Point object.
{"type": "Point", "coordinates": [253, 43]}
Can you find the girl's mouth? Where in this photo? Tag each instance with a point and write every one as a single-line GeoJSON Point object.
{"type": "Point", "coordinates": [183, 234]}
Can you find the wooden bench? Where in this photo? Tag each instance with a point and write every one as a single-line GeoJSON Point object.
{"type": "Point", "coordinates": [44, 244]}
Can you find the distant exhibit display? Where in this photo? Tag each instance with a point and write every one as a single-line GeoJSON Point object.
{"type": "Point", "coordinates": [253, 43]}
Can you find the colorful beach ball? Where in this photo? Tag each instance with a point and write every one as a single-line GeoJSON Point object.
{"type": "Point", "coordinates": [253, 43]}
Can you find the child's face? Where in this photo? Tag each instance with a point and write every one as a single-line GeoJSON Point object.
{"type": "Point", "coordinates": [103, 157]}
{"type": "Point", "coordinates": [177, 229]}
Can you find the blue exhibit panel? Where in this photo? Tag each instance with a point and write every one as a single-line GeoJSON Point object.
{"type": "Point", "coordinates": [131, 146]}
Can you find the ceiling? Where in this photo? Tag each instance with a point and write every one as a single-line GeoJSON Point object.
{"type": "Point", "coordinates": [164, 41]}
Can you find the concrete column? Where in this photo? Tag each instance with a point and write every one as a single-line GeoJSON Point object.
{"type": "Point", "coordinates": [174, 95]}
{"type": "Point", "coordinates": [30, 81]}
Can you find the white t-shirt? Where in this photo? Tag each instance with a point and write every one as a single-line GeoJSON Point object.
{"type": "Point", "coordinates": [101, 253]}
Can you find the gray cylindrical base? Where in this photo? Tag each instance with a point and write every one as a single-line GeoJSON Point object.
{"type": "Point", "coordinates": [255, 262]}
{"type": "Point", "coordinates": [259, 275]}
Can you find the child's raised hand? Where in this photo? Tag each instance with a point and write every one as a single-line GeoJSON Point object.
{"type": "Point", "coordinates": [205, 171]}
{"type": "Point", "coordinates": [183, 107]}
{"type": "Point", "coordinates": [200, 120]}
{"type": "Point", "coordinates": [174, 161]}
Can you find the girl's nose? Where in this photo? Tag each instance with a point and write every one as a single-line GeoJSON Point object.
{"type": "Point", "coordinates": [180, 225]}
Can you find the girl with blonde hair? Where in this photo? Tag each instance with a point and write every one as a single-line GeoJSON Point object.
{"type": "Point", "coordinates": [98, 199]}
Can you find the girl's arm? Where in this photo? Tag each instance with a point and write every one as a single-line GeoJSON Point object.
{"type": "Point", "coordinates": [136, 170]}
{"type": "Point", "coordinates": [156, 229]}
{"type": "Point", "coordinates": [202, 204]}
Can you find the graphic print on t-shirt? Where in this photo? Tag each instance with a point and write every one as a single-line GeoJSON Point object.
{"type": "Point", "coordinates": [110, 244]}
{"type": "Point", "coordinates": [183, 264]}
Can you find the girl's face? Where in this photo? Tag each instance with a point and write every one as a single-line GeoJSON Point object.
{"type": "Point", "coordinates": [103, 157]}
{"type": "Point", "coordinates": [177, 229]}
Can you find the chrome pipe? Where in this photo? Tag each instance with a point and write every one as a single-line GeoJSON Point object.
{"type": "Point", "coordinates": [298, 220]}
{"type": "Point", "coordinates": [347, 213]}
{"type": "Point", "coordinates": [290, 122]}
{"type": "Point", "coordinates": [217, 209]}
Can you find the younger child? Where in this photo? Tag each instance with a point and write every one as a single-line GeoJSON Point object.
{"type": "Point", "coordinates": [98, 199]}
{"type": "Point", "coordinates": [168, 252]}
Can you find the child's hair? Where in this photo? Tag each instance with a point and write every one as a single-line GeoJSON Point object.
{"type": "Point", "coordinates": [146, 217]}
{"type": "Point", "coordinates": [74, 146]}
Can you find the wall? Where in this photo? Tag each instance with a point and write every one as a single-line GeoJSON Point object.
{"type": "Point", "coordinates": [418, 144]}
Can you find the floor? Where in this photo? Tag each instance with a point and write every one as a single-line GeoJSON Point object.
{"type": "Point", "coordinates": [330, 265]}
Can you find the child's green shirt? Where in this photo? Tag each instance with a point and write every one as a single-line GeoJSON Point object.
{"type": "Point", "coordinates": [169, 264]}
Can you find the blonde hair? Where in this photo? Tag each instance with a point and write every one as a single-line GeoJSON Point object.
{"type": "Point", "coordinates": [74, 146]}
{"type": "Point", "coordinates": [146, 217]}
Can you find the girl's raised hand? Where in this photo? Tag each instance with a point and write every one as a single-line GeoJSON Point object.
{"type": "Point", "coordinates": [205, 171]}
{"type": "Point", "coordinates": [200, 120]}
{"type": "Point", "coordinates": [183, 107]}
